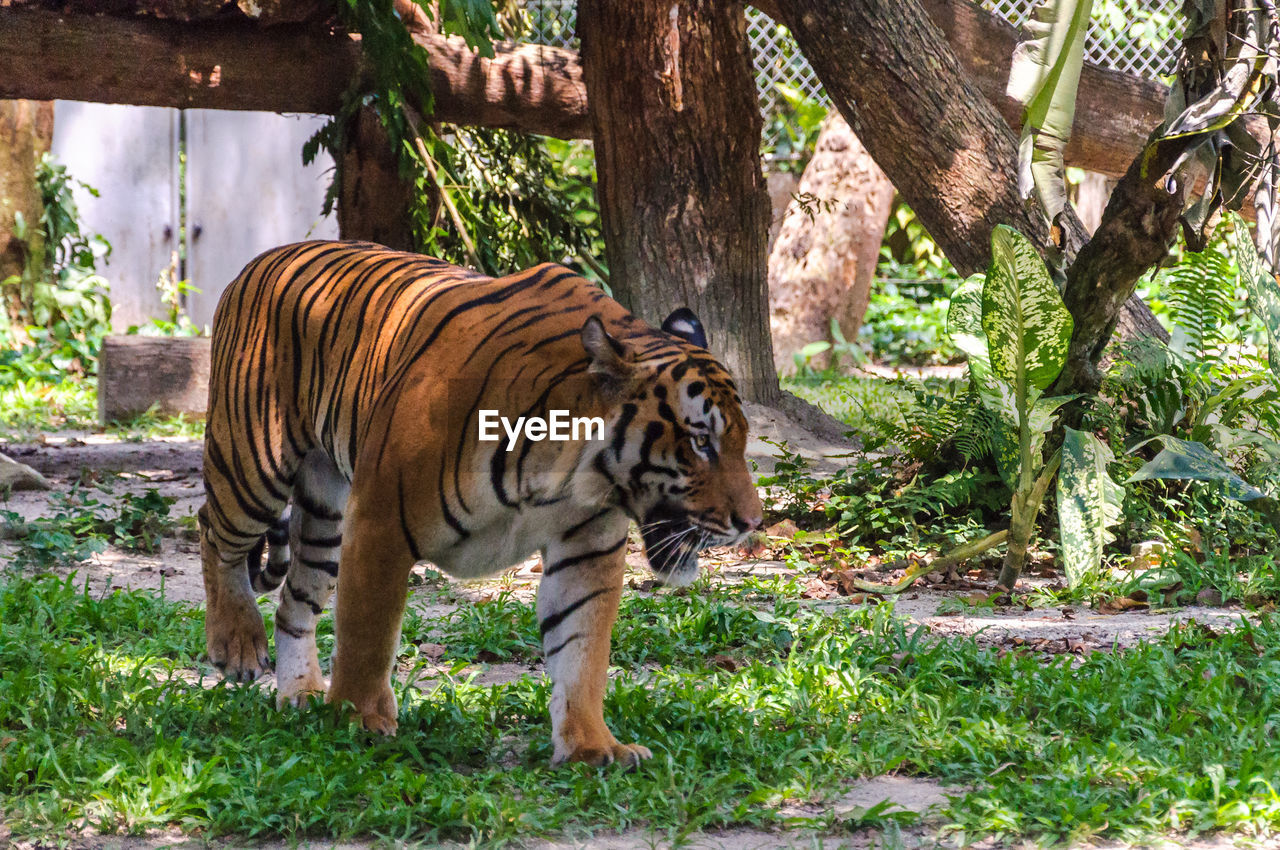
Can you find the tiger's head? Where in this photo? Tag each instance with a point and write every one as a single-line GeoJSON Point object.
{"type": "Point", "coordinates": [674, 450]}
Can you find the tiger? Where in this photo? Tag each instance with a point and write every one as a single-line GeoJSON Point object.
{"type": "Point", "coordinates": [342, 440]}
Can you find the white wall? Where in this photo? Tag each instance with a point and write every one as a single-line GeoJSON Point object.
{"type": "Point", "coordinates": [247, 191]}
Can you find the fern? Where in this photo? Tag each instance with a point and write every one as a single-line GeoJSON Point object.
{"type": "Point", "coordinates": [1201, 292]}
{"type": "Point", "coordinates": [929, 423]}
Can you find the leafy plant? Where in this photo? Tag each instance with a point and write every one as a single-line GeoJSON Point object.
{"type": "Point", "coordinates": [56, 310]}
{"type": "Point", "coordinates": [1043, 78]}
{"type": "Point", "coordinates": [485, 198]}
{"type": "Point", "coordinates": [83, 525]}
{"type": "Point", "coordinates": [1014, 328]}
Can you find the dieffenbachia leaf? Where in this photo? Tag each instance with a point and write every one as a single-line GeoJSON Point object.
{"type": "Point", "coordinates": [1190, 461]}
{"type": "Point", "coordinates": [1040, 421]}
{"type": "Point", "coordinates": [1264, 292]}
{"type": "Point", "coordinates": [1026, 324]}
{"type": "Point", "coordinates": [1089, 503]}
{"type": "Point", "coordinates": [964, 326]}
{"type": "Point", "coordinates": [1043, 78]}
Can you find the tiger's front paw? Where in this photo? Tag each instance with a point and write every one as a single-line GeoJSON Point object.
{"type": "Point", "coordinates": [628, 756]}
{"type": "Point", "coordinates": [237, 641]}
{"type": "Point", "coordinates": [377, 713]}
{"type": "Point", "coordinates": [298, 690]}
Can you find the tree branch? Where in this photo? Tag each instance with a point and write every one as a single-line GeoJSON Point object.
{"type": "Point", "coordinates": [239, 64]}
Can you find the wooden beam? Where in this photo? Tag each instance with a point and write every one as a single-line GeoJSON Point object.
{"type": "Point", "coordinates": [46, 55]}
{"type": "Point", "coordinates": [290, 67]}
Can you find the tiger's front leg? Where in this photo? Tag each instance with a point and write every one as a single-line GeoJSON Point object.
{"type": "Point", "coordinates": [577, 606]}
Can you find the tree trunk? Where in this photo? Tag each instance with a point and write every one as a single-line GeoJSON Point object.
{"type": "Point", "coordinates": [26, 131]}
{"type": "Point", "coordinates": [824, 259]}
{"type": "Point", "coordinates": [683, 202]}
{"type": "Point", "coordinates": [375, 202]}
{"type": "Point", "coordinates": [891, 73]}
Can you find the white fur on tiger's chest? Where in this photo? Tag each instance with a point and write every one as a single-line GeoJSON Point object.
{"type": "Point", "coordinates": [509, 538]}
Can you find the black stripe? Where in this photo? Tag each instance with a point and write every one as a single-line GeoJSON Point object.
{"type": "Point", "coordinates": [316, 509]}
{"type": "Point", "coordinates": [570, 639]}
{"type": "Point", "coordinates": [290, 630]}
{"type": "Point", "coordinates": [302, 597]}
{"type": "Point", "coordinates": [620, 430]}
{"type": "Point", "coordinates": [327, 567]}
{"type": "Point", "coordinates": [576, 528]}
{"type": "Point", "coordinates": [404, 524]}
{"type": "Point", "coordinates": [323, 542]}
{"type": "Point", "coordinates": [564, 564]}
{"type": "Point", "coordinates": [556, 619]}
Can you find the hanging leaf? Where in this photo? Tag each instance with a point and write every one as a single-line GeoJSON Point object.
{"type": "Point", "coordinates": [1190, 461]}
{"type": "Point", "coordinates": [1227, 74]}
{"type": "Point", "coordinates": [1027, 326]}
{"type": "Point", "coordinates": [1044, 78]}
{"type": "Point", "coordinates": [1089, 503]}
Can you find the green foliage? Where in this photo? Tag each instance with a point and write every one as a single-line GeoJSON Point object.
{"type": "Point", "coordinates": [794, 128]}
{"type": "Point", "coordinates": [1201, 294]}
{"type": "Point", "coordinates": [485, 198]}
{"type": "Point", "coordinates": [520, 205]}
{"type": "Point", "coordinates": [1089, 503]}
{"type": "Point", "coordinates": [1015, 329]}
{"type": "Point", "coordinates": [905, 320]}
{"type": "Point", "coordinates": [83, 524]}
{"type": "Point", "coordinates": [56, 310]}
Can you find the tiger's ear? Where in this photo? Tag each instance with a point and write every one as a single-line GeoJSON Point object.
{"type": "Point", "coordinates": [684, 324]}
{"type": "Point", "coordinates": [612, 363]}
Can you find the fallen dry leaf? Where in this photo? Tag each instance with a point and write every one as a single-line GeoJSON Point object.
{"type": "Point", "coordinates": [784, 530]}
{"type": "Point", "coordinates": [816, 588]}
{"type": "Point", "coordinates": [431, 651]}
{"type": "Point", "coordinates": [1120, 604]}
{"type": "Point", "coordinates": [724, 662]}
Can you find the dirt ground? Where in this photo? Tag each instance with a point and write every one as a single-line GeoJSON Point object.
{"type": "Point", "coordinates": [172, 466]}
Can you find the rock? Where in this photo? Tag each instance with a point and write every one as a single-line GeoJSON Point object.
{"type": "Point", "coordinates": [19, 476]}
{"type": "Point", "coordinates": [1209, 596]}
{"type": "Point", "coordinates": [1148, 549]}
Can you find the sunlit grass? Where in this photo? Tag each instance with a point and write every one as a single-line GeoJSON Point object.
{"type": "Point", "coordinates": [1172, 736]}
{"type": "Point", "coordinates": [31, 408]}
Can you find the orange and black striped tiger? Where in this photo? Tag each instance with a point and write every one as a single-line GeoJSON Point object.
{"type": "Point", "coordinates": [349, 380]}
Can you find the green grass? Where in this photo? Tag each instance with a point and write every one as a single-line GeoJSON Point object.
{"type": "Point", "coordinates": [98, 731]}
{"type": "Point", "coordinates": [29, 408]}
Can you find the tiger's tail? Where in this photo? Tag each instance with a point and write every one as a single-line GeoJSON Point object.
{"type": "Point", "coordinates": [275, 543]}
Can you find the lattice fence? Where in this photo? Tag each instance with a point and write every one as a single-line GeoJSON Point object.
{"type": "Point", "coordinates": [1134, 36]}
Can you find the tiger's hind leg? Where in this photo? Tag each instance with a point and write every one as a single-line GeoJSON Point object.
{"type": "Point", "coordinates": [235, 635]}
{"type": "Point", "coordinates": [319, 499]}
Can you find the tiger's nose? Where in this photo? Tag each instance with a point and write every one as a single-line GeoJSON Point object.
{"type": "Point", "coordinates": [747, 524]}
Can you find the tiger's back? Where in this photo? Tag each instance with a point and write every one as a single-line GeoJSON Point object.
{"type": "Point", "coordinates": [350, 379]}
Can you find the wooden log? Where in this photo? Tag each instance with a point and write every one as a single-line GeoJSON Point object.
{"type": "Point", "coordinates": [238, 64]}
{"type": "Point", "coordinates": [136, 373]}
